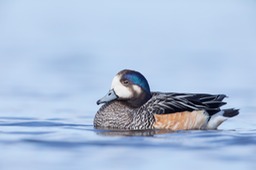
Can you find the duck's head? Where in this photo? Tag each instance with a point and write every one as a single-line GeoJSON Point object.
{"type": "Point", "coordinates": [128, 86]}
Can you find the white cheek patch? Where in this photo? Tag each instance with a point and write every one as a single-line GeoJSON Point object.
{"type": "Point", "coordinates": [120, 90]}
{"type": "Point", "coordinates": [137, 89]}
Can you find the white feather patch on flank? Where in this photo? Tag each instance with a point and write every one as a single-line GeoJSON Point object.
{"type": "Point", "coordinates": [216, 120]}
{"type": "Point", "coordinates": [120, 90]}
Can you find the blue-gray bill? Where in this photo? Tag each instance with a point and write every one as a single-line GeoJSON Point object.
{"type": "Point", "coordinates": [110, 96]}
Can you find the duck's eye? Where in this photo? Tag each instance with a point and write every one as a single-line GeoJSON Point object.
{"type": "Point", "coordinates": [125, 82]}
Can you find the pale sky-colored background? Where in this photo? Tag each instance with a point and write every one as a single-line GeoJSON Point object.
{"type": "Point", "coordinates": [64, 49]}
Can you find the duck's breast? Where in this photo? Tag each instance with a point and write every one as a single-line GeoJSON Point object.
{"type": "Point", "coordinates": [114, 115]}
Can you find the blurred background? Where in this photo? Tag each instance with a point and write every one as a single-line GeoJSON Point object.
{"type": "Point", "coordinates": [63, 50]}
{"type": "Point", "coordinates": [57, 58]}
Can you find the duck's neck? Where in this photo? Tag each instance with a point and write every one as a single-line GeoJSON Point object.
{"type": "Point", "coordinates": [139, 101]}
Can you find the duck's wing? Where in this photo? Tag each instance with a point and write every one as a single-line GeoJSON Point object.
{"type": "Point", "coordinates": [166, 103]}
{"type": "Point", "coordinates": [184, 111]}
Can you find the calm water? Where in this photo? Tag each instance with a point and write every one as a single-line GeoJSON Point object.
{"type": "Point", "coordinates": [57, 58]}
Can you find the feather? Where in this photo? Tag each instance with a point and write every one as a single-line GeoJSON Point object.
{"type": "Point", "coordinates": [162, 103]}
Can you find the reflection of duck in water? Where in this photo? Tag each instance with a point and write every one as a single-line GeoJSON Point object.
{"type": "Point", "coordinates": [131, 105]}
{"type": "Point", "coordinates": [122, 132]}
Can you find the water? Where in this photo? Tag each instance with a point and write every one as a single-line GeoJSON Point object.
{"type": "Point", "coordinates": [58, 58]}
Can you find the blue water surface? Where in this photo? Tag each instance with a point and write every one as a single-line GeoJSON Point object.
{"type": "Point", "coordinates": [57, 58]}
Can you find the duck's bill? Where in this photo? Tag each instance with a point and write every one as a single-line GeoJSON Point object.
{"type": "Point", "coordinates": [110, 96]}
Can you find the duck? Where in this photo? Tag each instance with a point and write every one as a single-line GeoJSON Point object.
{"type": "Point", "coordinates": [130, 105]}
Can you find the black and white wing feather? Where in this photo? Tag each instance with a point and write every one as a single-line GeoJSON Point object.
{"type": "Point", "coordinates": [162, 103]}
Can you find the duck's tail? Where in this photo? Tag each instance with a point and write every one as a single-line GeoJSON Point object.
{"type": "Point", "coordinates": [221, 116]}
